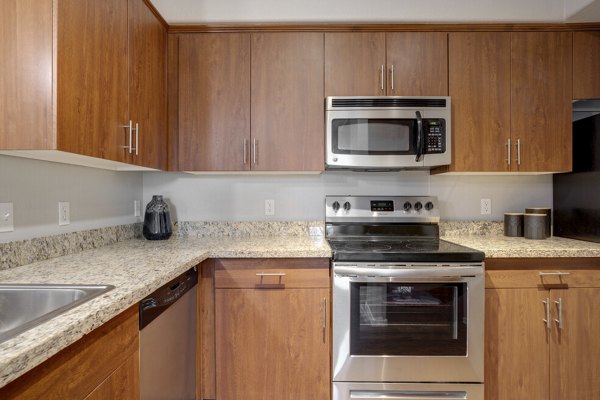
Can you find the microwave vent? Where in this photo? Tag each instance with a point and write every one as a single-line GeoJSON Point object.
{"type": "Point", "coordinates": [387, 102]}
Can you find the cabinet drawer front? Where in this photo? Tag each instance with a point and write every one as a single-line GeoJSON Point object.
{"type": "Point", "coordinates": [272, 273]}
{"type": "Point", "coordinates": [542, 278]}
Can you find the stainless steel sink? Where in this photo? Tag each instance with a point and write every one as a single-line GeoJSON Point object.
{"type": "Point", "coordinates": [23, 306]}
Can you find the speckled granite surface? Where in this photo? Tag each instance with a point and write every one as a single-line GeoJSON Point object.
{"type": "Point", "coordinates": [246, 228]}
{"type": "Point", "coordinates": [22, 252]}
{"type": "Point", "coordinates": [460, 228]}
{"type": "Point", "coordinates": [136, 268]}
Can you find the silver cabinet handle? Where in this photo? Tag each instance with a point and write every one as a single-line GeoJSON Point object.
{"type": "Point", "coordinates": [137, 138]}
{"type": "Point", "coordinates": [130, 127]}
{"type": "Point", "coordinates": [254, 149]}
{"type": "Point", "coordinates": [324, 320]}
{"type": "Point", "coordinates": [245, 155]}
{"type": "Point", "coordinates": [518, 151]}
{"type": "Point", "coordinates": [392, 77]}
{"type": "Point", "coordinates": [508, 151]}
{"type": "Point", "coordinates": [558, 273]}
{"type": "Point", "coordinates": [382, 77]}
{"type": "Point", "coordinates": [547, 306]}
{"type": "Point", "coordinates": [280, 274]}
{"type": "Point", "coordinates": [559, 321]}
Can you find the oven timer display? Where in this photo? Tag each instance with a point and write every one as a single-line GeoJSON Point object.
{"type": "Point", "coordinates": [382, 205]}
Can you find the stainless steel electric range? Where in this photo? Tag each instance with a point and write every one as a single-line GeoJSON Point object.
{"type": "Point", "coordinates": [408, 308]}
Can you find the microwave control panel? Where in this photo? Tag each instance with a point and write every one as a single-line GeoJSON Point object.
{"type": "Point", "coordinates": [435, 135]}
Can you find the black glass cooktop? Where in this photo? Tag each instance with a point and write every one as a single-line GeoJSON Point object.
{"type": "Point", "coordinates": [406, 250]}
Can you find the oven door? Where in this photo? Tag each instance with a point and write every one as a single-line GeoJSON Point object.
{"type": "Point", "coordinates": [417, 323]}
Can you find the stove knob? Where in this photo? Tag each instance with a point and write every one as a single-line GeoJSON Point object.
{"type": "Point", "coordinates": [428, 205]}
{"type": "Point", "coordinates": [335, 206]}
{"type": "Point", "coordinates": [347, 206]}
{"type": "Point", "coordinates": [418, 206]}
{"type": "Point", "coordinates": [407, 206]}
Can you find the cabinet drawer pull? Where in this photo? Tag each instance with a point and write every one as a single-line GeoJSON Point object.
{"type": "Point", "coordinates": [137, 138]}
{"type": "Point", "coordinates": [558, 273]}
{"type": "Point", "coordinates": [280, 274]}
{"type": "Point", "coordinates": [324, 320]}
{"type": "Point", "coordinates": [382, 76]}
{"type": "Point", "coordinates": [129, 147]}
{"type": "Point", "coordinates": [559, 321]}
{"type": "Point", "coordinates": [392, 77]}
{"type": "Point", "coordinates": [254, 149]}
{"type": "Point", "coordinates": [518, 151]}
{"type": "Point", "coordinates": [547, 306]}
{"type": "Point", "coordinates": [508, 151]}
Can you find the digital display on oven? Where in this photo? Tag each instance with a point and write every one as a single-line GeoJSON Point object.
{"type": "Point", "coordinates": [382, 205]}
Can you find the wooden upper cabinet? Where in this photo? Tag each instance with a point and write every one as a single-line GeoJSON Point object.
{"type": "Point", "coordinates": [214, 102]}
{"type": "Point", "coordinates": [541, 96]}
{"type": "Point", "coordinates": [147, 89]}
{"type": "Point", "coordinates": [287, 102]}
{"type": "Point", "coordinates": [418, 62]}
{"type": "Point", "coordinates": [26, 118]}
{"type": "Point", "coordinates": [479, 76]}
{"type": "Point", "coordinates": [92, 81]}
{"type": "Point", "coordinates": [586, 58]}
{"type": "Point", "coordinates": [355, 64]}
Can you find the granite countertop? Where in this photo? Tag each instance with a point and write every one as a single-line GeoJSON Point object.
{"type": "Point", "coordinates": [499, 246]}
{"type": "Point", "coordinates": [136, 268]}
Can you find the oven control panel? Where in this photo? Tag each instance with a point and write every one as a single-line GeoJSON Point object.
{"type": "Point", "coordinates": [398, 209]}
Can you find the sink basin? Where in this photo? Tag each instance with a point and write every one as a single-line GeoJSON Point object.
{"type": "Point", "coordinates": [23, 306]}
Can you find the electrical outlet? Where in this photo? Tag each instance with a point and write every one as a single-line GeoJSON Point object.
{"type": "Point", "coordinates": [6, 217]}
{"type": "Point", "coordinates": [64, 213]}
{"type": "Point", "coordinates": [137, 208]}
{"type": "Point", "coordinates": [269, 207]}
{"type": "Point", "coordinates": [486, 206]}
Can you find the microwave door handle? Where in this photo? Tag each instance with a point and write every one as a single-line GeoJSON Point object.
{"type": "Point", "coordinates": [420, 137]}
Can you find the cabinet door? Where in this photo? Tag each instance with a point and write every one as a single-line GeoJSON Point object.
{"type": "Point", "coordinates": [122, 384]}
{"type": "Point", "coordinates": [586, 58]}
{"type": "Point", "coordinates": [479, 69]}
{"type": "Point", "coordinates": [541, 95]}
{"type": "Point", "coordinates": [214, 102]}
{"type": "Point", "coordinates": [355, 64]}
{"type": "Point", "coordinates": [26, 75]}
{"type": "Point", "coordinates": [92, 81]}
{"type": "Point", "coordinates": [147, 77]}
{"type": "Point", "coordinates": [272, 344]}
{"type": "Point", "coordinates": [287, 102]}
{"type": "Point", "coordinates": [516, 344]}
{"type": "Point", "coordinates": [575, 349]}
{"type": "Point", "coordinates": [420, 63]}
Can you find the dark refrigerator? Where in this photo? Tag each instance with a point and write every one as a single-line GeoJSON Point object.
{"type": "Point", "coordinates": [577, 194]}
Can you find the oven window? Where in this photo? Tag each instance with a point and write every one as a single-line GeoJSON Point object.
{"type": "Point", "coordinates": [373, 136]}
{"type": "Point", "coordinates": [408, 319]}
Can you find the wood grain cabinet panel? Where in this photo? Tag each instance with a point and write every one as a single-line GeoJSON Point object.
{"type": "Point", "coordinates": [76, 73]}
{"type": "Point", "coordinates": [355, 64]}
{"type": "Point", "coordinates": [272, 342]}
{"type": "Point", "coordinates": [214, 102]}
{"type": "Point", "coordinates": [479, 69]}
{"type": "Point", "coordinates": [148, 85]}
{"type": "Point", "coordinates": [586, 58]}
{"type": "Point", "coordinates": [541, 334]}
{"type": "Point", "coordinates": [541, 96]}
{"type": "Point", "coordinates": [287, 102]}
{"type": "Point", "coordinates": [103, 364]}
{"type": "Point", "coordinates": [419, 61]}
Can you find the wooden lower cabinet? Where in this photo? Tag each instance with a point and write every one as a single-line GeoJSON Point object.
{"type": "Point", "coordinates": [102, 365]}
{"type": "Point", "coordinates": [528, 358]}
{"type": "Point", "coordinates": [272, 336]}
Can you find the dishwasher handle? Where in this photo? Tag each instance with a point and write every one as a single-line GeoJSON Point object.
{"type": "Point", "coordinates": [161, 299]}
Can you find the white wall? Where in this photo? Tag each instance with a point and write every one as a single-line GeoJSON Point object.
{"type": "Point", "coordinates": [236, 197]}
{"type": "Point", "coordinates": [98, 198]}
{"type": "Point", "coordinates": [212, 11]}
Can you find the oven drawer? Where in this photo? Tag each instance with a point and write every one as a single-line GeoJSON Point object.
{"type": "Point", "coordinates": [275, 273]}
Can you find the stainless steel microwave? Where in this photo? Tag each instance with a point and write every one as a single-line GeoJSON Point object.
{"type": "Point", "coordinates": [387, 133]}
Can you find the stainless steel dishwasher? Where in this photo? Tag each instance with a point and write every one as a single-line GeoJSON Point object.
{"type": "Point", "coordinates": [168, 340]}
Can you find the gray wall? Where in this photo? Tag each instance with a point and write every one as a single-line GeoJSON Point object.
{"type": "Point", "coordinates": [98, 198]}
{"type": "Point", "coordinates": [241, 197]}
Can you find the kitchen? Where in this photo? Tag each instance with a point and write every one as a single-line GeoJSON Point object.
{"type": "Point", "coordinates": [102, 199]}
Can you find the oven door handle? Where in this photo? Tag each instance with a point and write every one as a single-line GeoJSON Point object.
{"type": "Point", "coordinates": [409, 273]}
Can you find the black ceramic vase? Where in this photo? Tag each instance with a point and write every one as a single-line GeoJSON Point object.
{"type": "Point", "coordinates": [157, 220]}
